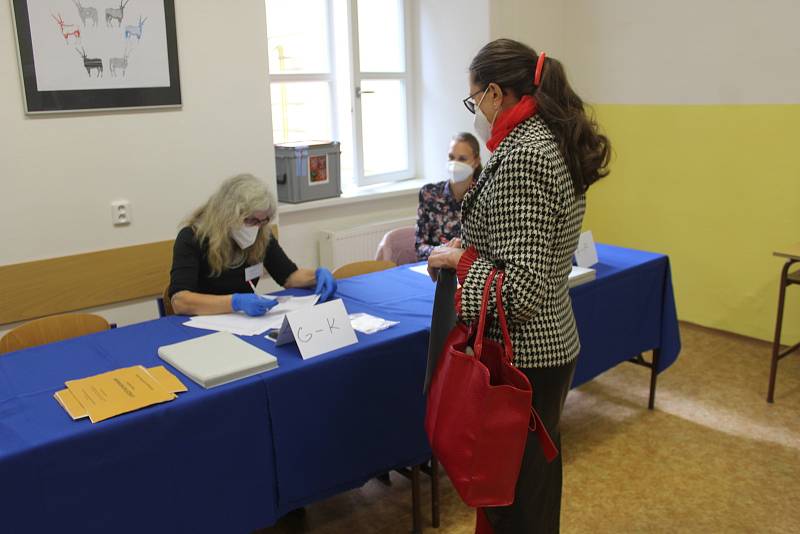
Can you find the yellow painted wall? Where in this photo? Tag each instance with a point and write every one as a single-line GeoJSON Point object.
{"type": "Point", "coordinates": [718, 189]}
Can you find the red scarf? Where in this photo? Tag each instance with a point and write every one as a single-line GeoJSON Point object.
{"type": "Point", "coordinates": [510, 119]}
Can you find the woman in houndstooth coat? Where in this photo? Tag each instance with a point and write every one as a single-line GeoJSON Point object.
{"type": "Point", "coordinates": [524, 215]}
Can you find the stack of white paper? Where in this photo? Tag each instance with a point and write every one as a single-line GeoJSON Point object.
{"type": "Point", "coordinates": [244, 325]}
{"type": "Point", "coordinates": [217, 359]}
{"type": "Point", "coordinates": [581, 275]}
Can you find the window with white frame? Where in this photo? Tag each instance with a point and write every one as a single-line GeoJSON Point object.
{"type": "Point", "coordinates": [339, 70]}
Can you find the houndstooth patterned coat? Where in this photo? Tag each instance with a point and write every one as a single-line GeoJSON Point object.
{"type": "Point", "coordinates": [523, 214]}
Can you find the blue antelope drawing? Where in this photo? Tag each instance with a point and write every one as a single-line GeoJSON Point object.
{"type": "Point", "coordinates": [135, 31]}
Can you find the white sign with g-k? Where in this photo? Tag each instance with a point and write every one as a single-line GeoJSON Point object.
{"type": "Point", "coordinates": [318, 329]}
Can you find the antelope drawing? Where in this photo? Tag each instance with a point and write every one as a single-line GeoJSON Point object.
{"type": "Point", "coordinates": [135, 31]}
{"type": "Point", "coordinates": [66, 29]}
{"type": "Point", "coordinates": [90, 63]}
{"type": "Point", "coordinates": [86, 13]}
{"type": "Point", "coordinates": [119, 63]}
{"type": "Point", "coordinates": [116, 13]}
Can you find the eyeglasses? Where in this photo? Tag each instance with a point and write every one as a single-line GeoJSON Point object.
{"type": "Point", "coordinates": [255, 221]}
{"type": "Point", "coordinates": [470, 103]}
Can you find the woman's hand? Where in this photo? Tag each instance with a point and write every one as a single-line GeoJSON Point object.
{"type": "Point", "coordinates": [252, 304]}
{"type": "Point", "coordinates": [326, 284]}
{"type": "Point", "coordinates": [444, 257]}
{"type": "Point", "coordinates": [321, 280]}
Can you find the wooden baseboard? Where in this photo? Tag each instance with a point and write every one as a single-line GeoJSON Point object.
{"type": "Point", "coordinates": [57, 285]}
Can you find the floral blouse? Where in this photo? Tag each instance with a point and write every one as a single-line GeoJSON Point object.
{"type": "Point", "coordinates": [438, 218]}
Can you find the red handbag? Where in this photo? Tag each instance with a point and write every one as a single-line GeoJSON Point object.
{"type": "Point", "coordinates": [479, 411]}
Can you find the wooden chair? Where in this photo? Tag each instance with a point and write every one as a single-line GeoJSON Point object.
{"type": "Point", "coordinates": [362, 267]}
{"type": "Point", "coordinates": [165, 304]}
{"type": "Point", "coordinates": [50, 329]}
{"type": "Point", "coordinates": [792, 255]}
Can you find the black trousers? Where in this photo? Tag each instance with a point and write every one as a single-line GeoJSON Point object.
{"type": "Point", "coordinates": [537, 503]}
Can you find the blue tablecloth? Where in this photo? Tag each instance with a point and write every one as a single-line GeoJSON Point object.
{"type": "Point", "coordinates": [230, 459]}
{"type": "Point", "coordinates": [237, 457]}
{"type": "Point", "coordinates": [627, 310]}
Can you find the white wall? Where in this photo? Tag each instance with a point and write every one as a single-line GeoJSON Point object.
{"type": "Point", "coordinates": [59, 173]}
{"type": "Point", "coordinates": [538, 23]}
{"type": "Point", "coordinates": [450, 33]}
{"type": "Point", "coordinates": [63, 171]}
{"type": "Point", "coordinates": [677, 52]}
{"type": "Point", "coordinates": [167, 162]}
{"type": "Point", "coordinates": [686, 52]}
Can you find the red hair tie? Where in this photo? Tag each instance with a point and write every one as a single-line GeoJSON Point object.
{"type": "Point", "coordinates": [539, 65]}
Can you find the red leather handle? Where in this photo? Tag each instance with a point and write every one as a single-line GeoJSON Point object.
{"type": "Point", "coordinates": [501, 314]}
{"type": "Point", "coordinates": [535, 425]}
{"type": "Point", "coordinates": [484, 312]}
{"type": "Point", "coordinates": [548, 446]}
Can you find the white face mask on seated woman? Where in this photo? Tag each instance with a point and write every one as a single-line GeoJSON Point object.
{"type": "Point", "coordinates": [245, 235]}
{"type": "Point", "coordinates": [458, 171]}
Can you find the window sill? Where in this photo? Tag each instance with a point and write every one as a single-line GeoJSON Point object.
{"type": "Point", "coordinates": [362, 194]}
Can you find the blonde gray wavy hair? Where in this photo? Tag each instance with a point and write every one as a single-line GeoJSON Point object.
{"type": "Point", "coordinates": [235, 200]}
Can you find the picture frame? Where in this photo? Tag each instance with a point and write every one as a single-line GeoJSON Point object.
{"type": "Point", "coordinates": [96, 55]}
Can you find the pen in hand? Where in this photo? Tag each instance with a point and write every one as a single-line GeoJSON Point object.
{"type": "Point", "coordinates": [265, 297]}
{"type": "Point", "coordinates": [253, 286]}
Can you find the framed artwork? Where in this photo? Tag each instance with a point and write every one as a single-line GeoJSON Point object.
{"type": "Point", "coordinates": [318, 170]}
{"type": "Point", "coordinates": [79, 55]}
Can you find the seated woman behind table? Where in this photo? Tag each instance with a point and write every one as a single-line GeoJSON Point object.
{"type": "Point", "coordinates": [224, 239]}
{"type": "Point", "coordinates": [439, 211]}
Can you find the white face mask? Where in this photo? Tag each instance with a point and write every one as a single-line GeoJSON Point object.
{"type": "Point", "coordinates": [245, 235]}
{"type": "Point", "coordinates": [482, 125]}
{"type": "Point", "coordinates": [458, 171]}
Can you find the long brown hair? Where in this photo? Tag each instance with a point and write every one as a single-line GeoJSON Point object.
{"type": "Point", "coordinates": [512, 65]}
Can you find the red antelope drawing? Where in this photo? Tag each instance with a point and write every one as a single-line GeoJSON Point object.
{"type": "Point", "coordinates": [66, 29]}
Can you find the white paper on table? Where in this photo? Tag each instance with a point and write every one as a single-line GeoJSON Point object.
{"type": "Point", "coordinates": [244, 325]}
{"type": "Point", "coordinates": [580, 275]}
{"type": "Point", "coordinates": [235, 323]}
{"type": "Point", "coordinates": [369, 324]}
{"type": "Point", "coordinates": [288, 304]}
{"type": "Point", "coordinates": [421, 269]}
{"type": "Point", "coordinates": [215, 328]}
{"type": "Point", "coordinates": [586, 252]}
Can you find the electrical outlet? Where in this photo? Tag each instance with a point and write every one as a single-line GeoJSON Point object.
{"type": "Point", "coordinates": [120, 212]}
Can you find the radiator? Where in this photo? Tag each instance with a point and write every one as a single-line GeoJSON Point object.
{"type": "Point", "coordinates": [339, 247]}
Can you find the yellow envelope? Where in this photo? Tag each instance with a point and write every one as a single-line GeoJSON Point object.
{"type": "Point", "coordinates": [170, 382]}
{"type": "Point", "coordinates": [116, 392]}
{"type": "Point", "coordinates": [76, 411]}
{"type": "Point", "coordinates": [68, 401]}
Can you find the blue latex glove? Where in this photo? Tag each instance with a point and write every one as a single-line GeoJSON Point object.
{"type": "Point", "coordinates": [326, 284]}
{"type": "Point", "coordinates": [252, 304]}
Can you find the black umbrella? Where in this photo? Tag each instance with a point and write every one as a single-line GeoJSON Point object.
{"type": "Point", "coordinates": [442, 321]}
